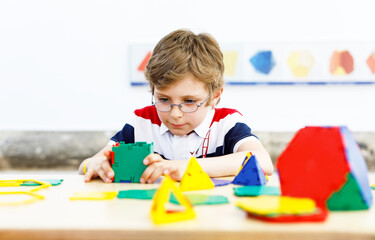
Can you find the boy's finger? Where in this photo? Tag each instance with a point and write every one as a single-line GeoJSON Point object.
{"type": "Point", "coordinates": [89, 175]}
{"type": "Point", "coordinates": [103, 176]}
{"type": "Point", "coordinates": [158, 172]}
{"type": "Point", "coordinates": [151, 158]}
{"type": "Point", "coordinates": [147, 173]}
{"type": "Point", "coordinates": [107, 169]}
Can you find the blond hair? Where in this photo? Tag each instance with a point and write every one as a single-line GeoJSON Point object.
{"type": "Point", "coordinates": [182, 53]}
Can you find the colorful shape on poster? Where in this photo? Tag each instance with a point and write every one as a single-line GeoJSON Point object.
{"type": "Point", "coordinates": [143, 64]}
{"type": "Point", "coordinates": [371, 62]}
{"type": "Point", "coordinates": [230, 59]}
{"type": "Point", "coordinates": [341, 63]}
{"type": "Point", "coordinates": [263, 62]}
{"type": "Point", "coordinates": [300, 63]}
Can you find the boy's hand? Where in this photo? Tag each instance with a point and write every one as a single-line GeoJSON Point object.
{"type": "Point", "coordinates": [99, 166]}
{"type": "Point", "coordinates": [158, 167]}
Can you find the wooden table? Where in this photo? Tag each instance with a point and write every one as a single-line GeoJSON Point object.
{"type": "Point", "coordinates": [57, 217]}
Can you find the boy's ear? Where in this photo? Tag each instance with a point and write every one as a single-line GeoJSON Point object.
{"type": "Point", "coordinates": [216, 97]}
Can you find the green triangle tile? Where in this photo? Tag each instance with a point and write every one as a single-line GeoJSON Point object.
{"type": "Point", "coordinates": [147, 194]}
{"type": "Point", "coordinates": [348, 197]}
{"type": "Point", "coordinates": [201, 199]}
{"type": "Point", "coordinates": [256, 191]}
{"type": "Point", "coordinates": [53, 182]}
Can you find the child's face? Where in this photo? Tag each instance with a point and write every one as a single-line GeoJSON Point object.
{"type": "Point", "coordinates": [187, 90]}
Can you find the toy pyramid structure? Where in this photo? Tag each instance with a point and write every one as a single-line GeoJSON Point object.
{"type": "Point", "coordinates": [127, 160]}
{"type": "Point", "coordinates": [159, 214]}
{"type": "Point", "coordinates": [250, 173]}
{"type": "Point", "coordinates": [195, 178]}
{"type": "Point", "coordinates": [325, 164]}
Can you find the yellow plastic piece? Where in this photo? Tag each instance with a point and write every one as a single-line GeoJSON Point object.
{"type": "Point", "coordinates": [93, 196]}
{"type": "Point", "coordinates": [33, 199]}
{"type": "Point", "coordinates": [159, 214]}
{"type": "Point", "coordinates": [18, 182]}
{"type": "Point", "coordinates": [195, 178]}
{"type": "Point", "coordinates": [265, 205]}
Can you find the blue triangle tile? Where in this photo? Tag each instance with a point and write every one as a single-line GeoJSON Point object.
{"type": "Point", "coordinates": [250, 174]}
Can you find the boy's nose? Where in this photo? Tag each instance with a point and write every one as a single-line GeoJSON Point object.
{"type": "Point", "coordinates": [176, 112]}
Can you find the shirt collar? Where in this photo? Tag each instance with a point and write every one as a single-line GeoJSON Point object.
{"type": "Point", "coordinates": [201, 130]}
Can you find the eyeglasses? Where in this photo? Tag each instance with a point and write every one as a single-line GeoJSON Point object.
{"type": "Point", "coordinates": [185, 107]}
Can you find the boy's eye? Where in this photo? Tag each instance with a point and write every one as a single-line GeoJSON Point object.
{"type": "Point", "coordinates": [190, 101]}
{"type": "Point", "coordinates": [163, 99]}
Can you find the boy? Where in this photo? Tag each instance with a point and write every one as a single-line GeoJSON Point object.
{"type": "Point", "coordinates": [185, 73]}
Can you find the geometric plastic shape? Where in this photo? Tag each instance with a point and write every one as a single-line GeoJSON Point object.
{"type": "Point", "coordinates": [300, 62]}
{"type": "Point", "coordinates": [34, 198]}
{"type": "Point", "coordinates": [221, 182]}
{"type": "Point", "coordinates": [128, 161]}
{"type": "Point", "coordinates": [325, 164]}
{"type": "Point", "coordinates": [348, 197]}
{"type": "Point", "coordinates": [146, 194]}
{"type": "Point", "coordinates": [195, 178]}
{"type": "Point", "coordinates": [159, 214]}
{"type": "Point", "coordinates": [318, 216]}
{"type": "Point", "coordinates": [93, 196]}
{"type": "Point", "coordinates": [143, 64]}
{"type": "Point", "coordinates": [341, 63]}
{"type": "Point", "coordinates": [250, 173]}
{"type": "Point", "coordinates": [313, 164]}
{"type": "Point", "coordinates": [203, 199]}
{"type": "Point", "coordinates": [53, 182]}
{"type": "Point", "coordinates": [20, 182]}
{"type": "Point", "coordinates": [230, 62]}
{"type": "Point", "coordinates": [276, 205]}
{"type": "Point", "coordinates": [251, 191]}
{"type": "Point", "coordinates": [263, 62]}
{"type": "Point", "coordinates": [371, 62]}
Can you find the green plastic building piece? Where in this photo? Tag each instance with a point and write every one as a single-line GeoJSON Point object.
{"type": "Point", "coordinates": [146, 194]}
{"type": "Point", "coordinates": [127, 160]}
{"type": "Point", "coordinates": [202, 199]}
{"type": "Point", "coordinates": [348, 197]}
{"type": "Point", "coordinates": [53, 182]}
{"type": "Point", "coordinates": [252, 191]}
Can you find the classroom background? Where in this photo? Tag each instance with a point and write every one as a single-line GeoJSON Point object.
{"type": "Point", "coordinates": [65, 76]}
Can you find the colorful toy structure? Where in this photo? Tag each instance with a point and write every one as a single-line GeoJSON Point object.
{"type": "Point", "coordinates": [325, 164]}
{"type": "Point", "coordinates": [195, 178]}
{"type": "Point", "coordinates": [250, 173]}
{"type": "Point", "coordinates": [127, 160]}
{"type": "Point", "coordinates": [159, 213]}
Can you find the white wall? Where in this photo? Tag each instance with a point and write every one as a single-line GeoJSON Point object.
{"type": "Point", "coordinates": [63, 64]}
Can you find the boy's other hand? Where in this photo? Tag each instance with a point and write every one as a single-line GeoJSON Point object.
{"type": "Point", "coordinates": [157, 167]}
{"type": "Point", "coordinates": [99, 166]}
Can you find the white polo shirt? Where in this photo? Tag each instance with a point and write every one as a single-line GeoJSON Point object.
{"type": "Point", "coordinates": [222, 131]}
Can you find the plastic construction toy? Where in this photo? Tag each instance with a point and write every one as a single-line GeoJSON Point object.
{"type": "Point", "coordinates": [159, 214]}
{"type": "Point", "coordinates": [325, 164]}
{"type": "Point", "coordinates": [195, 178]}
{"type": "Point", "coordinates": [93, 196]}
{"type": "Point", "coordinates": [250, 173]}
{"type": "Point", "coordinates": [127, 160]}
{"type": "Point", "coordinates": [282, 209]}
{"type": "Point", "coordinates": [19, 183]}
